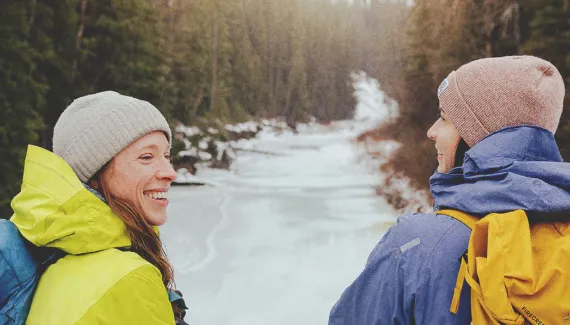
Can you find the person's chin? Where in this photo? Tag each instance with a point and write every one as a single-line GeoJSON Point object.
{"type": "Point", "coordinates": [156, 219]}
{"type": "Point", "coordinates": [443, 169]}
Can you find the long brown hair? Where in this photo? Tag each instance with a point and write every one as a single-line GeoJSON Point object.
{"type": "Point", "coordinates": [144, 240]}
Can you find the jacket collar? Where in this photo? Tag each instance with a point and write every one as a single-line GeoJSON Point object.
{"type": "Point", "coordinates": [513, 168]}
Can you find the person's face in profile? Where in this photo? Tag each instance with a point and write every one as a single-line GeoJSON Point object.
{"type": "Point", "coordinates": [446, 139]}
{"type": "Point", "coordinates": [141, 174]}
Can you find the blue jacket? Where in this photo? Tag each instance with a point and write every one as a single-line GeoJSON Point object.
{"type": "Point", "coordinates": [410, 276]}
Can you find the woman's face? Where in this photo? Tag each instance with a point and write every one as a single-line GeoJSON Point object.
{"type": "Point", "coordinates": [141, 174]}
{"type": "Point", "coordinates": [446, 139]}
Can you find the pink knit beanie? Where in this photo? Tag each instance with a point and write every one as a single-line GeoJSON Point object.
{"type": "Point", "coordinates": [489, 94]}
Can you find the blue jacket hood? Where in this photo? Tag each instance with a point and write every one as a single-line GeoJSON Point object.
{"type": "Point", "coordinates": [513, 168]}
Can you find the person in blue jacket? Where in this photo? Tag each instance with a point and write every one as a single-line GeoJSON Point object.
{"type": "Point", "coordinates": [496, 152]}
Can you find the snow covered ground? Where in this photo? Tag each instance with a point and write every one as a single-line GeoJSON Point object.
{"type": "Point", "coordinates": [277, 239]}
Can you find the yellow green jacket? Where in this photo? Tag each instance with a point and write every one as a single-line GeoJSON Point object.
{"type": "Point", "coordinates": [96, 283]}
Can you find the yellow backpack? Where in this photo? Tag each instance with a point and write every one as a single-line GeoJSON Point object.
{"type": "Point", "coordinates": [519, 273]}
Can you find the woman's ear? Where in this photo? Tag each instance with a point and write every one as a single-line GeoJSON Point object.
{"type": "Point", "coordinates": [97, 178]}
{"type": "Point", "coordinates": [94, 184]}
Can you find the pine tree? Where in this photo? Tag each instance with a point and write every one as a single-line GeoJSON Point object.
{"type": "Point", "coordinates": [21, 93]}
{"type": "Point", "coordinates": [53, 33]}
{"type": "Point", "coordinates": [550, 39]}
{"type": "Point", "coordinates": [121, 43]}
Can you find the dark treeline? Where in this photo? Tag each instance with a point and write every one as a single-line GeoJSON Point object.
{"type": "Point", "coordinates": [444, 34]}
{"type": "Point", "coordinates": [218, 60]}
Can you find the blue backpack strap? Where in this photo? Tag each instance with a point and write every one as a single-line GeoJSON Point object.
{"type": "Point", "coordinates": [46, 256]}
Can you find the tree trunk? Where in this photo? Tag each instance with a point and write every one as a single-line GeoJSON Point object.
{"type": "Point", "coordinates": [33, 12]}
{"type": "Point", "coordinates": [81, 24]}
{"type": "Point", "coordinates": [214, 59]}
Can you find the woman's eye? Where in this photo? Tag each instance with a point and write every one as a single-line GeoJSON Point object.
{"type": "Point", "coordinates": [146, 157]}
{"type": "Point", "coordinates": [169, 157]}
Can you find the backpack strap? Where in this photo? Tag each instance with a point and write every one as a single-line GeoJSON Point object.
{"type": "Point", "coordinates": [463, 275]}
{"type": "Point", "coordinates": [176, 299]}
{"type": "Point", "coordinates": [465, 218]}
{"type": "Point", "coordinates": [458, 286]}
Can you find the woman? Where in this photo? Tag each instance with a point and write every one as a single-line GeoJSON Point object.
{"type": "Point", "coordinates": [497, 154]}
{"type": "Point", "coordinates": [99, 198]}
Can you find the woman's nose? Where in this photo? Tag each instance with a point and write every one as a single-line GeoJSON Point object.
{"type": "Point", "coordinates": [432, 132]}
{"type": "Point", "coordinates": [166, 172]}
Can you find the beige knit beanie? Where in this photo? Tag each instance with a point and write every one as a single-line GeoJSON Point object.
{"type": "Point", "coordinates": [94, 128]}
{"type": "Point", "coordinates": [486, 95]}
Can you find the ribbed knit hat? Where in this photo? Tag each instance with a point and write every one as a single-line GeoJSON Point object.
{"type": "Point", "coordinates": [486, 95]}
{"type": "Point", "coordinates": [94, 128]}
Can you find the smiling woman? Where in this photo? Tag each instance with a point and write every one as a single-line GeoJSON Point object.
{"type": "Point", "coordinates": [99, 198]}
{"type": "Point", "coordinates": [501, 174]}
{"type": "Point", "coordinates": [447, 140]}
{"type": "Point", "coordinates": [140, 174]}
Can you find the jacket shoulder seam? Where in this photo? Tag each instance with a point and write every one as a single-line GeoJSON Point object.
{"type": "Point", "coordinates": [111, 288]}
{"type": "Point", "coordinates": [430, 257]}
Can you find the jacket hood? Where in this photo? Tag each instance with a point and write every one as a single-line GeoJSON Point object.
{"type": "Point", "coordinates": [513, 168]}
{"type": "Point", "coordinates": [54, 209]}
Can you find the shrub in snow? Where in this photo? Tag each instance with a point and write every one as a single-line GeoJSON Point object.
{"type": "Point", "coordinates": [399, 193]}
{"type": "Point", "coordinates": [395, 188]}
{"type": "Point", "coordinates": [215, 147]}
